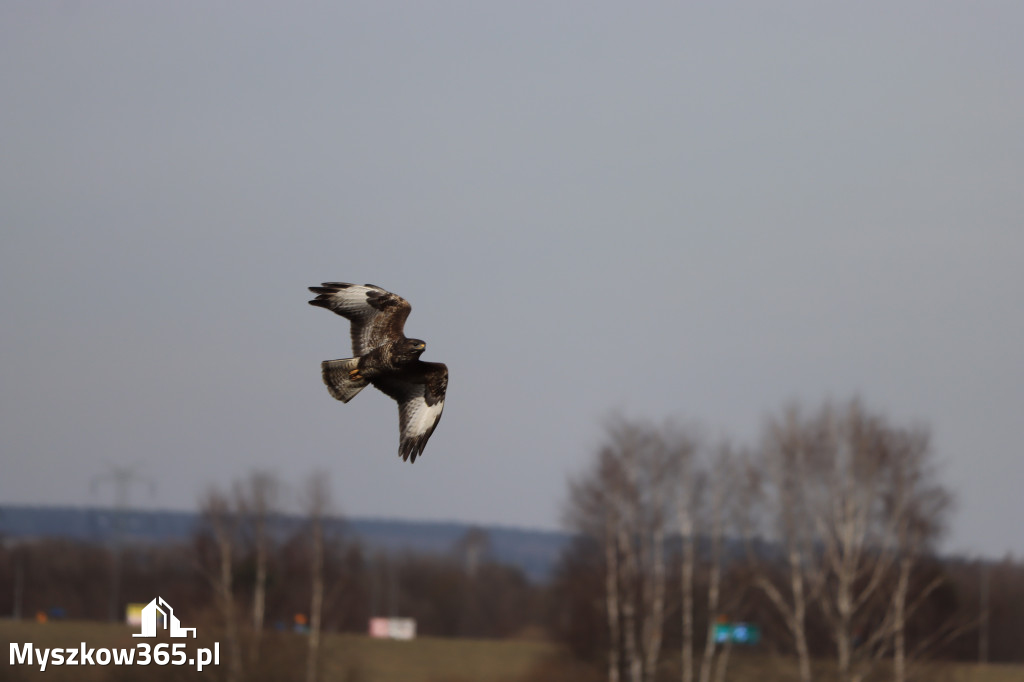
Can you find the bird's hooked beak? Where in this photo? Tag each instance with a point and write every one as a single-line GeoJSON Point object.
{"type": "Point", "coordinates": [420, 346]}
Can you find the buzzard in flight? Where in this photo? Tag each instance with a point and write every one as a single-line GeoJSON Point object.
{"type": "Point", "coordinates": [385, 358]}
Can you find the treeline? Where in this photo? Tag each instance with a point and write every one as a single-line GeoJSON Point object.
{"type": "Point", "coordinates": [250, 572]}
{"type": "Point", "coordinates": [823, 534]}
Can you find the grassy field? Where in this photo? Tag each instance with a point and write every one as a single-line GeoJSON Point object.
{"type": "Point", "coordinates": [351, 658]}
{"type": "Point", "coordinates": [345, 658]}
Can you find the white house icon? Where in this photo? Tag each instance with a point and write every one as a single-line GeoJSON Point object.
{"type": "Point", "coordinates": [149, 620]}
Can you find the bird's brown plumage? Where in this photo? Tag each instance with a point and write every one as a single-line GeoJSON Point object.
{"type": "Point", "coordinates": [386, 359]}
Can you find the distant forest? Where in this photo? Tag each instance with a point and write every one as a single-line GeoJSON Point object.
{"type": "Point", "coordinates": [535, 552]}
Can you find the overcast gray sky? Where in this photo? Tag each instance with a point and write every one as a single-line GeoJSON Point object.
{"type": "Point", "coordinates": [675, 210]}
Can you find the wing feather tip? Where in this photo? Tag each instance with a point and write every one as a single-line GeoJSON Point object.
{"type": "Point", "coordinates": [411, 448]}
{"type": "Point", "coordinates": [330, 287]}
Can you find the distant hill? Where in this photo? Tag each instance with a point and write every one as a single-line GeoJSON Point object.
{"type": "Point", "coordinates": [533, 551]}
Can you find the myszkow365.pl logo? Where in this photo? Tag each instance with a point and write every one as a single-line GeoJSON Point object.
{"type": "Point", "coordinates": [143, 653]}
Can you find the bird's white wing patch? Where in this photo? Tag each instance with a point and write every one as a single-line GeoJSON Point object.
{"type": "Point", "coordinates": [417, 422]}
{"type": "Point", "coordinates": [423, 417]}
{"type": "Point", "coordinates": [352, 299]}
{"type": "Point", "coordinates": [376, 315]}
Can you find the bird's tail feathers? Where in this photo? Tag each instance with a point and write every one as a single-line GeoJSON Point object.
{"type": "Point", "coordinates": [338, 379]}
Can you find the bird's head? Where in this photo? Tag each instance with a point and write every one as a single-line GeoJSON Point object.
{"type": "Point", "coordinates": [413, 347]}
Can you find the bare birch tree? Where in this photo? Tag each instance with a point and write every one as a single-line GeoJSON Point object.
{"type": "Point", "coordinates": [773, 490]}
{"type": "Point", "coordinates": [688, 495]}
{"type": "Point", "coordinates": [722, 489]}
{"type": "Point", "coordinates": [223, 522]}
{"type": "Point", "coordinates": [318, 505]}
{"type": "Point", "coordinates": [659, 465]}
{"type": "Point", "coordinates": [878, 508]}
{"type": "Point", "coordinates": [845, 489]}
{"type": "Point", "coordinates": [592, 512]}
{"type": "Point", "coordinates": [257, 500]}
{"type": "Point", "coordinates": [924, 503]}
{"type": "Point", "coordinates": [624, 502]}
{"type": "Point", "coordinates": [853, 503]}
{"type": "Point", "coordinates": [611, 589]}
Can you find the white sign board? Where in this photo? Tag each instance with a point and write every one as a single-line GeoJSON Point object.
{"type": "Point", "coordinates": [393, 628]}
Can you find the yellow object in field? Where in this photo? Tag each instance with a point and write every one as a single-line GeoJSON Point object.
{"type": "Point", "coordinates": [133, 614]}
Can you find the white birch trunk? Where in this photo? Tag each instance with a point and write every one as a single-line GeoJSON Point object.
{"type": "Point", "coordinates": [715, 570]}
{"type": "Point", "coordinates": [655, 615]}
{"type": "Point", "coordinates": [611, 589]}
{"type": "Point", "coordinates": [799, 622]}
{"type": "Point", "coordinates": [686, 530]}
{"type": "Point", "coordinates": [899, 653]}
{"type": "Point", "coordinates": [633, 662]}
{"type": "Point", "coordinates": [316, 602]}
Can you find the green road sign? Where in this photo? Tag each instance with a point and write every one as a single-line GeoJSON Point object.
{"type": "Point", "coordinates": [737, 633]}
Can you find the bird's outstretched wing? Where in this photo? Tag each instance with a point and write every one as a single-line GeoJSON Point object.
{"type": "Point", "coordinates": [377, 315]}
{"type": "Point", "coordinates": [419, 392]}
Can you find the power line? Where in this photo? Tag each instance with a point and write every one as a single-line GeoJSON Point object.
{"type": "Point", "coordinates": [122, 478]}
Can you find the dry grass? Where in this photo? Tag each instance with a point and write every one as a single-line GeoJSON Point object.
{"type": "Point", "coordinates": [345, 658]}
{"type": "Point", "coordinates": [350, 658]}
{"type": "Point", "coordinates": [430, 659]}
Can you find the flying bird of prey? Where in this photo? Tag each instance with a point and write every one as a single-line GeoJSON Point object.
{"type": "Point", "coordinates": [385, 358]}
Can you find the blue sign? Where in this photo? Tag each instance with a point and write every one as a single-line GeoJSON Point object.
{"type": "Point", "coordinates": [737, 633]}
